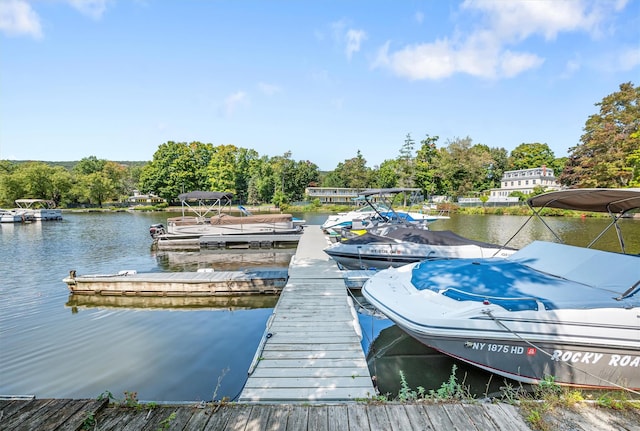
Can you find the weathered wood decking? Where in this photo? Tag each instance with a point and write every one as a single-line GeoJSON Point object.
{"type": "Point", "coordinates": [312, 350]}
{"type": "Point", "coordinates": [72, 415]}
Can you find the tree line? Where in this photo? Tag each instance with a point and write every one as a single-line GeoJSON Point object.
{"type": "Point", "coordinates": [608, 155]}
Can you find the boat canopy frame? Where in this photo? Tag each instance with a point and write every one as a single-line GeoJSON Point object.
{"type": "Point", "coordinates": [29, 203]}
{"type": "Point", "coordinates": [387, 204]}
{"type": "Point", "coordinates": [205, 202]}
{"type": "Point", "coordinates": [616, 202]}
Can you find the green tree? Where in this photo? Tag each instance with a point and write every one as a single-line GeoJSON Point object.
{"type": "Point", "coordinates": [305, 174]}
{"type": "Point", "coordinates": [176, 168]}
{"type": "Point", "coordinates": [89, 165]}
{"type": "Point", "coordinates": [387, 174]}
{"type": "Point", "coordinates": [424, 165]}
{"type": "Point", "coordinates": [610, 137]}
{"type": "Point", "coordinates": [352, 173]}
{"type": "Point", "coordinates": [527, 156]}
{"type": "Point", "coordinates": [464, 168]}
{"type": "Point", "coordinates": [221, 169]}
{"type": "Point", "coordinates": [406, 163]}
{"type": "Point", "coordinates": [99, 187]}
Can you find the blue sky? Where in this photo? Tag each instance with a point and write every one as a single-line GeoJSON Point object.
{"type": "Point", "coordinates": [323, 79]}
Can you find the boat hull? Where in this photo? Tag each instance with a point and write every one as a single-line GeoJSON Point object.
{"type": "Point", "coordinates": [560, 316]}
{"type": "Point", "coordinates": [382, 256]}
{"type": "Point", "coordinates": [567, 364]}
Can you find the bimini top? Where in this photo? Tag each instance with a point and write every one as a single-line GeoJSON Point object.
{"type": "Point", "coordinates": [200, 195]}
{"type": "Point", "coordinates": [28, 203]}
{"type": "Point", "coordinates": [597, 200]}
{"type": "Point", "coordinates": [372, 192]}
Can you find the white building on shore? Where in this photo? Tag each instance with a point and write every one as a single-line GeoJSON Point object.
{"type": "Point", "coordinates": [524, 181]}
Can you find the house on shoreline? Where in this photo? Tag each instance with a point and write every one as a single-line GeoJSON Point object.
{"type": "Point", "coordinates": [521, 180]}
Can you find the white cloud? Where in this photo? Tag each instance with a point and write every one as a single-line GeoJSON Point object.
{"type": "Point", "coordinates": [351, 38]}
{"type": "Point", "coordinates": [628, 59]}
{"type": "Point", "coordinates": [490, 49]}
{"type": "Point", "coordinates": [354, 40]}
{"type": "Point", "coordinates": [268, 89]}
{"type": "Point", "coordinates": [419, 17]}
{"type": "Point", "coordinates": [17, 18]}
{"type": "Point", "coordinates": [235, 100]}
{"type": "Point", "coordinates": [571, 68]}
{"type": "Point", "coordinates": [517, 20]}
{"type": "Point", "coordinates": [514, 63]}
{"type": "Point", "coordinates": [93, 8]}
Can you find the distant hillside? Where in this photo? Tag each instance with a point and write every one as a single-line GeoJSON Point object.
{"type": "Point", "coordinates": [70, 164]}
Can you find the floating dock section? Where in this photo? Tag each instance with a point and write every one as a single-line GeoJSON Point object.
{"type": "Point", "coordinates": [179, 283]}
{"type": "Point", "coordinates": [243, 241]}
{"type": "Point", "coordinates": [311, 349]}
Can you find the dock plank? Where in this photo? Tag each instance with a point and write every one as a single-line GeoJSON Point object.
{"type": "Point", "coordinates": [10, 407]}
{"type": "Point", "coordinates": [319, 419]}
{"type": "Point", "coordinates": [399, 419]}
{"type": "Point", "coordinates": [459, 417]}
{"type": "Point", "coordinates": [298, 418]}
{"type": "Point", "coordinates": [378, 417]}
{"type": "Point", "coordinates": [217, 418]}
{"type": "Point", "coordinates": [338, 417]}
{"type": "Point", "coordinates": [358, 418]}
{"type": "Point", "coordinates": [29, 412]}
{"type": "Point", "coordinates": [87, 407]}
{"type": "Point", "coordinates": [438, 417]}
{"type": "Point", "coordinates": [238, 421]}
{"type": "Point", "coordinates": [278, 418]}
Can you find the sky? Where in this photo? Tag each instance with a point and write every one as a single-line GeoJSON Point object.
{"type": "Point", "coordinates": [324, 80]}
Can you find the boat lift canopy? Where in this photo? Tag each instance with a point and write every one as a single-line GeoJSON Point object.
{"type": "Point", "coordinates": [206, 202]}
{"type": "Point", "coordinates": [29, 203]}
{"type": "Point", "coordinates": [615, 202]}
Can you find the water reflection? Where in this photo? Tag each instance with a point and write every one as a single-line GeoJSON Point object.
{"type": "Point", "coordinates": [222, 303]}
{"type": "Point", "coordinates": [394, 351]}
{"type": "Point", "coordinates": [164, 354]}
{"type": "Point", "coordinates": [224, 260]}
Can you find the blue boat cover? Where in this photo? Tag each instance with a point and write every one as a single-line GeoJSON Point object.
{"type": "Point", "coordinates": [556, 275]}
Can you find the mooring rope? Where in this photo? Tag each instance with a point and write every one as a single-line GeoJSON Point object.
{"type": "Point", "coordinates": [500, 323]}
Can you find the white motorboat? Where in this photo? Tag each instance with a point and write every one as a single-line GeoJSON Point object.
{"type": "Point", "coordinates": [11, 216]}
{"type": "Point", "coordinates": [378, 209]}
{"type": "Point", "coordinates": [400, 245]}
{"type": "Point", "coordinates": [549, 311]}
{"type": "Point", "coordinates": [209, 220]}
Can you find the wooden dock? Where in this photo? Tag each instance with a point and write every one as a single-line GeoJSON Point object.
{"type": "Point", "coordinates": [94, 415]}
{"type": "Point", "coordinates": [311, 350]}
{"type": "Point", "coordinates": [179, 283]}
{"type": "Point", "coordinates": [73, 415]}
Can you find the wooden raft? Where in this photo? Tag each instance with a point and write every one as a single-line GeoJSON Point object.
{"type": "Point", "coordinates": [179, 283]}
{"type": "Point", "coordinates": [311, 350]}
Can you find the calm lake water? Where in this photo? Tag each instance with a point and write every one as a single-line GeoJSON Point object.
{"type": "Point", "coordinates": [55, 345]}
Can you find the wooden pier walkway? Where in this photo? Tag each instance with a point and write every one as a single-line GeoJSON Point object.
{"type": "Point", "coordinates": [74, 415]}
{"type": "Point", "coordinates": [94, 415]}
{"type": "Point", "coordinates": [311, 349]}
